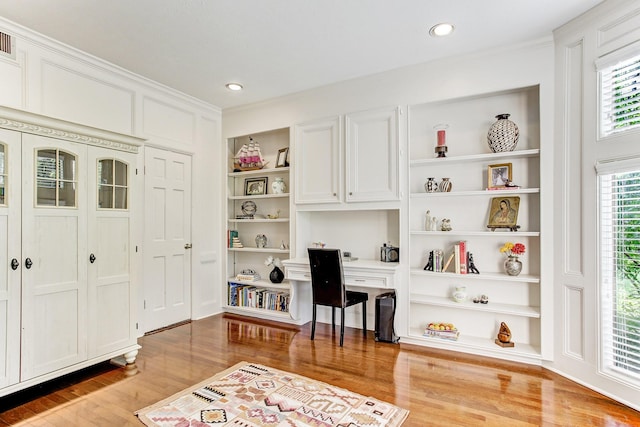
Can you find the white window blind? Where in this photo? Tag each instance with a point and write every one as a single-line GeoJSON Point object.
{"type": "Point", "coordinates": [619, 272]}
{"type": "Point", "coordinates": [619, 94]}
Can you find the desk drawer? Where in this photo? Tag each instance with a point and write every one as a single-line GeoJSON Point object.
{"type": "Point", "coordinates": [366, 281]}
{"type": "Point", "coordinates": [298, 274]}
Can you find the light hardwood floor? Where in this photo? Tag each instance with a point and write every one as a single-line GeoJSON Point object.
{"type": "Point", "coordinates": [439, 388]}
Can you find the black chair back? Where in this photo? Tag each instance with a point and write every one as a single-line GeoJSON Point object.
{"type": "Point", "coordinates": [327, 277]}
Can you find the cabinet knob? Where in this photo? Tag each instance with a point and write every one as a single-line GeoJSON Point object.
{"type": "Point", "coordinates": [187, 246]}
{"type": "Point", "coordinates": [28, 263]}
{"type": "Point", "coordinates": [14, 264]}
{"type": "Point", "coordinates": [92, 258]}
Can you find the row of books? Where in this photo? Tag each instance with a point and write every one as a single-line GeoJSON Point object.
{"type": "Point", "coordinates": [455, 261]}
{"type": "Point", "coordinates": [242, 295]}
{"type": "Point", "coordinates": [232, 235]}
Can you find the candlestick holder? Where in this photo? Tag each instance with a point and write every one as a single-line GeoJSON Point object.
{"type": "Point", "coordinates": [441, 133]}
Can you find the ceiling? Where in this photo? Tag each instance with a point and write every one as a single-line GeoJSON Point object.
{"type": "Point", "coordinates": [279, 47]}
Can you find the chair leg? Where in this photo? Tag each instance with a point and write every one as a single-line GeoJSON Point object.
{"type": "Point", "coordinates": [341, 326]}
{"type": "Point", "coordinates": [313, 322]}
{"type": "Point", "coordinates": [364, 319]}
{"type": "Point", "coordinates": [333, 318]}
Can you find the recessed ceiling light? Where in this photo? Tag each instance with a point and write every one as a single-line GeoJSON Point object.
{"type": "Point", "coordinates": [234, 86]}
{"type": "Point", "coordinates": [441, 30]}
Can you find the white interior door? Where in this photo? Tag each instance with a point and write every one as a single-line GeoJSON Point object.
{"type": "Point", "coordinates": [10, 250]}
{"type": "Point", "coordinates": [167, 258]}
{"type": "Point", "coordinates": [54, 255]}
{"type": "Point", "coordinates": [111, 294]}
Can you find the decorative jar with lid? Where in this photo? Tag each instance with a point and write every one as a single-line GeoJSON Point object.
{"type": "Point", "coordinates": [279, 186]}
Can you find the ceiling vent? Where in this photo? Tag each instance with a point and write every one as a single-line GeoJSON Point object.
{"type": "Point", "coordinates": [7, 45]}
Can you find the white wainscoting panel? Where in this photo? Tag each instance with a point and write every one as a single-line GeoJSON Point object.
{"type": "Point", "coordinates": [574, 321]}
{"type": "Point", "coordinates": [168, 122]}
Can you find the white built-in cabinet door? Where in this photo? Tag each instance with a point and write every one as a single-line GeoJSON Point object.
{"type": "Point", "coordinates": [372, 158]}
{"type": "Point", "coordinates": [318, 161]}
{"type": "Point", "coordinates": [54, 253]}
{"type": "Point", "coordinates": [10, 276]}
{"type": "Point", "coordinates": [111, 296]}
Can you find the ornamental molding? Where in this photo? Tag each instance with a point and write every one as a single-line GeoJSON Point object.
{"type": "Point", "coordinates": [31, 123]}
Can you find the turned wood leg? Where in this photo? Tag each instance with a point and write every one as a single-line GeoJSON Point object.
{"type": "Point", "coordinates": [130, 357]}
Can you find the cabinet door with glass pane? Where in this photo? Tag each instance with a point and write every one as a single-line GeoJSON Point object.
{"type": "Point", "coordinates": [54, 277]}
{"type": "Point", "coordinates": [110, 290]}
{"type": "Point", "coordinates": [10, 261]}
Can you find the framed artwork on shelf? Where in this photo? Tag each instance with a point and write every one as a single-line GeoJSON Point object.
{"type": "Point", "coordinates": [498, 176]}
{"type": "Point", "coordinates": [255, 186]}
{"type": "Point", "coordinates": [503, 213]}
{"type": "Point", "coordinates": [282, 160]}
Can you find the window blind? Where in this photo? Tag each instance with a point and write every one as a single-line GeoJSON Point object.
{"type": "Point", "coordinates": [619, 273]}
{"type": "Point", "coordinates": [619, 95]}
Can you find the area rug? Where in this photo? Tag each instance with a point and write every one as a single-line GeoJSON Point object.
{"type": "Point", "coordinates": [252, 395]}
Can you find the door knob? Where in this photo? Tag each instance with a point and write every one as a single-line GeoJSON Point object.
{"type": "Point", "coordinates": [92, 258]}
{"type": "Point", "coordinates": [187, 246]}
{"type": "Point", "coordinates": [14, 264]}
{"type": "Point", "coordinates": [28, 263]}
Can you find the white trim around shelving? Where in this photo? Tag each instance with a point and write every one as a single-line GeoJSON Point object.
{"type": "Point", "coordinates": [492, 307]}
{"type": "Point", "coordinates": [477, 157]}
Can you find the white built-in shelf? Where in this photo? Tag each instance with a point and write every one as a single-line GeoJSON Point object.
{"type": "Point", "coordinates": [490, 157]}
{"type": "Point", "coordinates": [477, 345]}
{"type": "Point", "coordinates": [259, 172]}
{"type": "Point", "coordinates": [261, 196]}
{"type": "Point", "coordinates": [262, 312]}
{"type": "Point", "coordinates": [259, 220]}
{"type": "Point", "coordinates": [487, 233]}
{"type": "Point", "coordinates": [488, 193]}
{"type": "Point", "coordinates": [491, 307]}
{"type": "Point", "coordinates": [263, 250]}
{"type": "Point", "coordinates": [285, 285]}
{"type": "Point", "coordinates": [498, 277]}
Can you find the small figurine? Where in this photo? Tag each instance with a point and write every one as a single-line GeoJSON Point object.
{"type": "Point", "coordinates": [427, 221]}
{"type": "Point", "coordinates": [471, 266]}
{"type": "Point", "coordinates": [504, 336]}
{"type": "Point", "coordinates": [434, 223]}
{"type": "Point", "coordinates": [429, 266]}
{"type": "Point", "coordinates": [446, 224]}
{"type": "Point", "coordinates": [274, 216]}
{"type": "Point", "coordinates": [484, 299]}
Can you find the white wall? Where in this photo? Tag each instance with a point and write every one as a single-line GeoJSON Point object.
{"type": "Point", "coordinates": [54, 80]}
{"type": "Point", "coordinates": [610, 26]}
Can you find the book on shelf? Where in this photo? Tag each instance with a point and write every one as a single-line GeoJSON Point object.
{"type": "Point", "coordinates": [462, 245]}
{"type": "Point", "coordinates": [511, 187]}
{"type": "Point", "coordinates": [230, 237]}
{"type": "Point", "coordinates": [449, 261]}
{"type": "Point", "coordinates": [243, 216]}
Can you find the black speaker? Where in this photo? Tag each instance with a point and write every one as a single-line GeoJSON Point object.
{"type": "Point", "coordinates": [385, 314]}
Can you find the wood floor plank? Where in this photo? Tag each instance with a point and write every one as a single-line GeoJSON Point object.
{"type": "Point", "coordinates": [440, 388]}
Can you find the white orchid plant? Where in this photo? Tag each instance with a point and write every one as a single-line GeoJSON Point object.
{"type": "Point", "coordinates": [273, 262]}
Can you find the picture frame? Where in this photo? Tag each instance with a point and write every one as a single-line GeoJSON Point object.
{"type": "Point", "coordinates": [255, 186]}
{"type": "Point", "coordinates": [282, 159]}
{"type": "Point", "coordinates": [499, 175]}
{"type": "Point", "coordinates": [503, 213]}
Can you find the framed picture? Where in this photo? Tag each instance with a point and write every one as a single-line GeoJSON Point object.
{"type": "Point", "coordinates": [255, 186]}
{"type": "Point", "coordinates": [503, 213]}
{"type": "Point", "coordinates": [498, 175]}
{"type": "Point", "coordinates": [282, 160]}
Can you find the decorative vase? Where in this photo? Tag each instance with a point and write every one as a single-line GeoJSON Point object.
{"type": "Point", "coordinates": [460, 294]}
{"type": "Point", "coordinates": [445, 185]}
{"type": "Point", "coordinates": [279, 186]}
{"type": "Point", "coordinates": [276, 275]}
{"type": "Point", "coordinates": [503, 134]}
{"type": "Point", "coordinates": [261, 241]}
{"type": "Point", "coordinates": [513, 266]}
{"type": "Point", "coordinates": [431, 186]}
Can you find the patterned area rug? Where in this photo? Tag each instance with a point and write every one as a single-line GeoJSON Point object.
{"type": "Point", "coordinates": [251, 395]}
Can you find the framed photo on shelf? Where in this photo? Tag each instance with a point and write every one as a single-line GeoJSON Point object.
{"type": "Point", "coordinates": [503, 213]}
{"type": "Point", "coordinates": [282, 160]}
{"type": "Point", "coordinates": [255, 186]}
{"type": "Point", "coordinates": [498, 175]}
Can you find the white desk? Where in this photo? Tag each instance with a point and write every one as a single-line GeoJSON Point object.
{"type": "Point", "coordinates": [364, 273]}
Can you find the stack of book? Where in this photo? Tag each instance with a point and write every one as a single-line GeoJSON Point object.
{"type": "Point", "coordinates": [442, 330]}
{"type": "Point", "coordinates": [243, 295]}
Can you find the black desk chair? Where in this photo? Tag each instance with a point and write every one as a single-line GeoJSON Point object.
{"type": "Point", "coordinates": [327, 283]}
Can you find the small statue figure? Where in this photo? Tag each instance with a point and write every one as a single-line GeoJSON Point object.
{"type": "Point", "coordinates": [434, 223]}
{"type": "Point", "coordinates": [471, 266]}
{"type": "Point", "coordinates": [427, 221]}
{"type": "Point", "coordinates": [446, 224]}
{"type": "Point", "coordinates": [504, 336]}
{"type": "Point", "coordinates": [429, 266]}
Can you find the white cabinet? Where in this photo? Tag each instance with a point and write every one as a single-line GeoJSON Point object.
{"type": "Point", "coordinates": [259, 211]}
{"type": "Point", "coordinates": [66, 290]}
{"type": "Point", "coordinates": [365, 169]}
{"type": "Point", "coordinates": [516, 300]}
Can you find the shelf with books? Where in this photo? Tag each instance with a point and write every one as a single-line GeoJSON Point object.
{"type": "Point", "coordinates": [471, 203]}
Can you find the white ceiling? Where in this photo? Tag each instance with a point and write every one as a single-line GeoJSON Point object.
{"type": "Point", "coordinates": [278, 47]}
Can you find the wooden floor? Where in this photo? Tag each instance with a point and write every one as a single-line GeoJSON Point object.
{"type": "Point", "coordinates": [438, 387]}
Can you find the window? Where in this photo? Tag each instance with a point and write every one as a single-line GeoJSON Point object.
{"type": "Point", "coordinates": [112, 184]}
{"type": "Point", "coordinates": [56, 178]}
{"type": "Point", "coordinates": [619, 272]}
{"type": "Point", "coordinates": [619, 75]}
